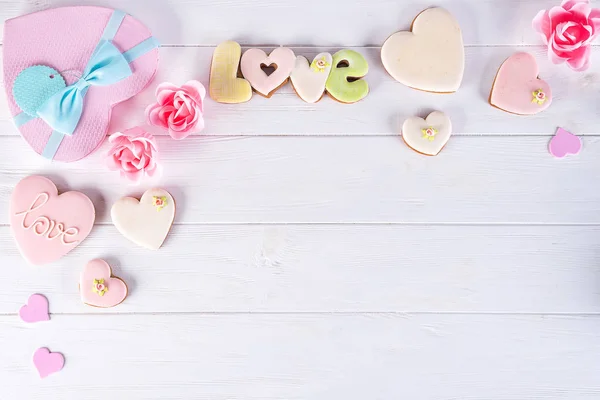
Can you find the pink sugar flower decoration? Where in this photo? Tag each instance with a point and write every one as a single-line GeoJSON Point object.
{"type": "Point", "coordinates": [134, 154]}
{"type": "Point", "coordinates": [568, 30]}
{"type": "Point", "coordinates": [178, 109]}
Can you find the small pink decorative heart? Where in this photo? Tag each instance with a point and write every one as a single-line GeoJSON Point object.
{"type": "Point", "coordinates": [517, 88]}
{"type": "Point", "coordinates": [45, 225]}
{"type": "Point", "coordinates": [564, 143]}
{"type": "Point", "coordinates": [47, 363]}
{"type": "Point", "coordinates": [36, 309]}
{"type": "Point", "coordinates": [99, 288]}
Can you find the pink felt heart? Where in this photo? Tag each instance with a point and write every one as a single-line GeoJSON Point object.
{"type": "Point", "coordinates": [564, 143]}
{"type": "Point", "coordinates": [99, 288]}
{"type": "Point", "coordinates": [47, 363]}
{"type": "Point", "coordinates": [45, 225]}
{"type": "Point", "coordinates": [36, 309]}
{"type": "Point", "coordinates": [517, 88]}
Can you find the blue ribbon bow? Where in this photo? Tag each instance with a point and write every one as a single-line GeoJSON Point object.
{"type": "Point", "coordinates": [63, 110]}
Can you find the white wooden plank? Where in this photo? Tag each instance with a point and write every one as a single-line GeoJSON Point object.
{"type": "Point", "coordinates": [328, 268]}
{"type": "Point", "coordinates": [311, 22]}
{"type": "Point", "coordinates": [274, 357]}
{"type": "Point", "coordinates": [380, 113]}
{"type": "Point", "coordinates": [341, 180]}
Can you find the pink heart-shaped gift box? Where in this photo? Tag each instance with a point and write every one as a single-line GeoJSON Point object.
{"type": "Point", "coordinates": [64, 39]}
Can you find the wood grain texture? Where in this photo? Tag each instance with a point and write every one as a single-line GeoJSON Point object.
{"type": "Point", "coordinates": [314, 255]}
{"type": "Point", "coordinates": [274, 357]}
{"type": "Point", "coordinates": [328, 268]}
{"type": "Point", "coordinates": [383, 111]}
{"type": "Point", "coordinates": [341, 180]}
{"type": "Point", "coordinates": [311, 22]}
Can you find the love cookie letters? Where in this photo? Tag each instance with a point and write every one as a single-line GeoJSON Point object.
{"type": "Point", "coordinates": [233, 78]}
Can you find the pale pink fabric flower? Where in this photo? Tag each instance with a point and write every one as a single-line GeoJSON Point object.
{"type": "Point", "coordinates": [134, 154]}
{"type": "Point", "coordinates": [568, 31]}
{"type": "Point", "coordinates": [178, 109]}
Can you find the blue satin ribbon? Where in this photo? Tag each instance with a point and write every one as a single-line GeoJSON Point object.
{"type": "Point", "coordinates": [63, 110]}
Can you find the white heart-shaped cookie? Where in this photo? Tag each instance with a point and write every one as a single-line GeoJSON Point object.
{"type": "Point", "coordinates": [431, 57]}
{"type": "Point", "coordinates": [427, 136]}
{"type": "Point", "coordinates": [309, 80]}
{"type": "Point", "coordinates": [145, 222]}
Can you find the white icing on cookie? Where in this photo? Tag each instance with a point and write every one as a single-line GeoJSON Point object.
{"type": "Point", "coordinates": [431, 57]}
{"type": "Point", "coordinates": [427, 136]}
{"type": "Point", "coordinates": [145, 222]}
{"type": "Point", "coordinates": [309, 80]}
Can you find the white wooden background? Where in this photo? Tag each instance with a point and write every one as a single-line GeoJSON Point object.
{"type": "Point", "coordinates": [314, 255]}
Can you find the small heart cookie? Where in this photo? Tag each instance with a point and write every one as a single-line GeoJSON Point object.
{"type": "Point", "coordinates": [282, 59]}
{"type": "Point", "coordinates": [309, 80]}
{"type": "Point", "coordinates": [99, 288]}
{"type": "Point", "coordinates": [564, 143]}
{"type": "Point", "coordinates": [225, 86]}
{"type": "Point", "coordinates": [517, 88]}
{"type": "Point", "coordinates": [431, 57]}
{"type": "Point", "coordinates": [36, 309]}
{"type": "Point", "coordinates": [47, 225]}
{"type": "Point", "coordinates": [145, 222]}
{"type": "Point", "coordinates": [427, 136]}
{"type": "Point", "coordinates": [47, 362]}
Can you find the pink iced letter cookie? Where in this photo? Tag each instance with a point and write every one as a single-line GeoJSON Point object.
{"type": "Point", "coordinates": [517, 88]}
{"type": "Point", "coordinates": [46, 225]}
{"type": "Point", "coordinates": [282, 59]}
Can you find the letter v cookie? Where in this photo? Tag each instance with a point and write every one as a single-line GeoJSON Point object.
{"type": "Point", "coordinates": [225, 86]}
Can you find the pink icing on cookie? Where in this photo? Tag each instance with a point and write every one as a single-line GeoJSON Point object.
{"type": "Point", "coordinates": [253, 59]}
{"type": "Point", "coordinates": [46, 225]}
{"type": "Point", "coordinates": [518, 89]}
{"type": "Point", "coordinates": [99, 288]}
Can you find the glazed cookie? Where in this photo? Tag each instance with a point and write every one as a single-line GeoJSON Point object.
{"type": "Point", "coordinates": [517, 88]}
{"type": "Point", "coordinates": [427, 136]}
{"type": "Point", "coordinates": [344, 83]}
{"type": "Point", "coordinates": [309, 80]}
{"type": "Point", "coordinates": [253, 60]}
{"type": "Point", "coordinates": [145, 222]}
{"type": "Point", "coordinates": [45, 225]}
{"type": "Point", "coordinates": [225, 86]}
{"type": "Point", "coordinates": [431, 57]}
{"type": "Point", "coordinates": [99, 288]}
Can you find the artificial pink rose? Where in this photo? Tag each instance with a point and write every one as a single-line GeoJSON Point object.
{"type": "Point", "coordinates": [178, 109]}
{"type": "Point", "coordinates": [568, 31]}
{"type": "Point", "coordinates": [134, 154]}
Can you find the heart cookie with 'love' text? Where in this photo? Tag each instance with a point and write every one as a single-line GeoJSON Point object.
{"type": "Point", "coordinates": [427, 136]}
{"type": "Point", "coordinates": [147, 221]}
{"type": "Point", "coordinates": [47, 225]}
{"type": "Point", "coordinates": [99, 288]}
{"type": "Point", "coordinates": [253, 62]}
{"type": "Point", "coordinates": [517, 88]}
{"type": "Point", "coordinates": [431, 57]}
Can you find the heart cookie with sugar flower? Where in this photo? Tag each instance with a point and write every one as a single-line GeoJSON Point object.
{"type": "Point", "coordinates": [253, 60]}
{"type": "Point", "coordinates": [431, 57]}
{"type": "Point", "coordinates": [427, 136]}
{"type": "Point", "coordinates": [309, 80]}
{"type": "Point", "coordinates": [99, 288]}
{"type": "Point", "coordinates": [518, 89]}
{"type": "Point", "coordinates": [147, 221]}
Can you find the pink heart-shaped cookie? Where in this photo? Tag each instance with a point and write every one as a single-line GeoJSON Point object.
{"type": "Point", "coordinates": [36, 309]}
{"type": "Point", "coordinates": [99, 288]}
{"type": "Point", "coordinates": [47, 362]}
{"type": "Point", "coordinates": [47, 225]}
{"type": "Point", "coordinates": [517, 88]}
{"type": "Point", "coordinates": [282, 58]}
